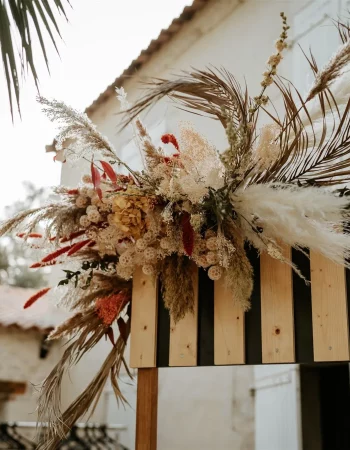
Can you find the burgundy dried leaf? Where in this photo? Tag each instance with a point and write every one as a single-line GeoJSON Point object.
{"type": "Point", "coordinates": [96, 176]}
{"type": "Point", "coordinates": [187, 234]}
{"type": "Point", "coordinates": [109, 171]}
{"type": "Point", "coordinates": [110, 334]}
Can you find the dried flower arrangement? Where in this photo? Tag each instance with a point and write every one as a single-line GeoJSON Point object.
{"type": "Point", "coordinates": [274, 186]}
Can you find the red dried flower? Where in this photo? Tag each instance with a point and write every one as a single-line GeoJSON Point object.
{"type": "Point", "coordinates": [35, 297]}
{"type": "Point", "coordinates": [73, 192]}
{"type": "Point", "coordinates": [78, 246]}
{"type": "Point", "coordinates": [170, 139]}
{"type": "Point", "coordinates": [37, 265]}
{"type": "Point", "coordinates": [72, 236]}
{"type": "Point", "coordinates": [30, 235]}
{"type": "Point", "coordinates": [56, 254]}
{"type": "Point", "coordinates": [108, 308]}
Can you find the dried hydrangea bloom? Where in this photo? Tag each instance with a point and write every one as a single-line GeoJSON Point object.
{"type": "Point", "coordinates": [130, 214]}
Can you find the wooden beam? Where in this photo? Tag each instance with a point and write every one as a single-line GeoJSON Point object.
{"type": "Point", "coordinates": [147, 409]}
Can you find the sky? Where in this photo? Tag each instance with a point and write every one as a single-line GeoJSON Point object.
{"type": "Point", "coordinates": [100, 40]}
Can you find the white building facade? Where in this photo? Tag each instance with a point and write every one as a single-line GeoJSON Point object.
{"type": "Point", "coordinates": [228, 408]}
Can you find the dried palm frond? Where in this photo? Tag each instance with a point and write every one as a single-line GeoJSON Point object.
{"type": "Point", "coordinates": [88, 399]}
{"type": "Point", "coordinates": [212, 92]}
{"type": "Point", "coordinates": [177, 286]}
{"type": "Point", "coordinates": [311, 151]}
{"type": "Point", "coordinates": [88, 331]}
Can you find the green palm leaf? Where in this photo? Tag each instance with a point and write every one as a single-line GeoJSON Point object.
{"type": "Point", "coordinates": [18, 19]}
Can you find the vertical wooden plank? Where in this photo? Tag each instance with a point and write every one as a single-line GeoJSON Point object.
{"type": "Point", "coordinates": [184, 335]}
{"type": "Point", "coordinates": [143, 335]}
{"type": "Point", "coordinates": [329, 310]}
{"type": "Point", "coordinates": [277, 309]}
{"type": "Point", "coordinates": [147, 409]}
{"type": "Point", "coordinates": [228, 327]}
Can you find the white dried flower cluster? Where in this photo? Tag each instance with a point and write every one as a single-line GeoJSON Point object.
{"type": "Point", "coordinates": [200, 169]}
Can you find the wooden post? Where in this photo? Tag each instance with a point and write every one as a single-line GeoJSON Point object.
{"type": "Point", "coordinates": [147, 409]}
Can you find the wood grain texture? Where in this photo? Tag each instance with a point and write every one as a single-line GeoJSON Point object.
{"type": "Point", "coordinates": [184, 334]}
{"type": "Point", "coordinates": [143, 336]}
{"type": "Point", "coordinates": [147, 409]}
{"type": "Point", "coordinates": [228, 327]}
{"type": "Point", "coordinates": [277, 319]}
{"type": "Point", "coordinates": [329, 310]}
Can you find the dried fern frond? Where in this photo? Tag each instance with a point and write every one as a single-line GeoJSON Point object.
{"type": "Point", "coordinates": [177, 286]}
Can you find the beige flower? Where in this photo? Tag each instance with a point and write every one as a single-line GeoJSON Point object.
{"type": "Point", "coordinates": [130, 212]}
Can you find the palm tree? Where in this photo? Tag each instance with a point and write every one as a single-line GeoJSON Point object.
{"type": "Point", "coordinates": [20, 21]}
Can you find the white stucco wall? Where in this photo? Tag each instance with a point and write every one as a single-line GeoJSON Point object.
{"type": "Point", "coordinates": [20, 362]}
{"type": "Point", "coordinates": [206, 408]}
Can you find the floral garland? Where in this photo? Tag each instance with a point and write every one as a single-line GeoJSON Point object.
{"type": "Point", "coordinates": [282, 184]}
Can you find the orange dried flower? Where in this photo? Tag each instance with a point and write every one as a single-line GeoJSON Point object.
{"type": "Point", "coordinates": [108, 308]}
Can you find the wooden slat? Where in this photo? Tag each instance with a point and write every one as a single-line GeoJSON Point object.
{"type": "Point", "coordinates": [228, 327]}
{"type": "Point", "coordinates": [146, 409]}
{"type": "Point", "coordinates": [277, 310]}
{"type": "Point", "coordinates": [143, 339]}
{"type": "Point", "coordinates": [184, 335]}
{"type": "Point", "coordinates": [329, 310]}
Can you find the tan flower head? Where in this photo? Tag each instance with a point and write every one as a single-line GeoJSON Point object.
{"type": "Point", "coordinates": [130, 212]}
